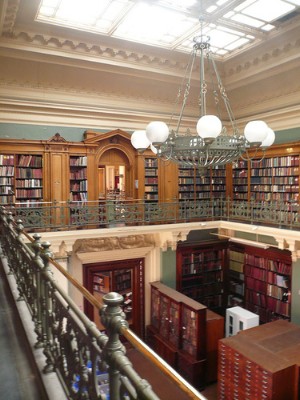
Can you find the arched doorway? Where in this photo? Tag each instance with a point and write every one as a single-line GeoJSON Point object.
{"type": "Point", "coordinates": [114, 174]}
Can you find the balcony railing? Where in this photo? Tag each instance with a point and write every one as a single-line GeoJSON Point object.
{"type": "Point", "coordinates": [111, 213]}
{"type": "Point", "coordinates": [89, 364]}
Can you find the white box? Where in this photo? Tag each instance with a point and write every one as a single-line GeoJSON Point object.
{"type": "Point", "coordinates": [239, 319]}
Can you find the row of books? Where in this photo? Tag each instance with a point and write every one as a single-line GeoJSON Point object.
{"type": "Point", "coordinates": [25, 193]}
{"type": "Point", "coordinates": [186, 181]}
{"type": "Point", "coordinates": [255, 284]}
{"type": "Point", "coordinates": [79, 186]}
{"type": "Point", "coordinates": [290, 171]}
{"type": "Point", "coordinates": [29, 183]}
{"type": "Point", "coordinates": [185, 172]}
{"type": "Point", "coordinates": [279, 280]}
{"type": "Point", "coordinates": [278, 293]}
{"type": "Point", "coordinates": [203, 278]}
{"type": "Point", "coordinates": [151, 188]}
{"type": "Point", "coordinates": [78, 161]}
{"type": "Point", "coordinates": [78, 196]}
{"type": "Point", "coordinates": [7, 170]}
{"type": "Point", "coordinates": [151, 172]}
{"type": "Point", "coordinates": [25, 173]}
{"type": "Point", "coordinates": [151, 181]}
{"type": "Point", "coordinates": [77, 175]}
{"type": "Point", "coordinates": [286, 161]}
{"type": "Point", "coordinates": [255, 272]}
{"type": "Point", "coordinates": [30, 161]}
{"type": "Point", "coordinates": [151, 162]}
{"type": "Point", "coordinates": [6, 181]}
{"type": "Point", "coordinates": [7, 159]}
{"type": "Point", "coordinates": [260, 173]}
{"type": "Point", "coordinates": [6, 190]}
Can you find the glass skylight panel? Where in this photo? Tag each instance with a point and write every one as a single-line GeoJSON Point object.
{"type": "Point", "coordinates": [296, 2]}
{"type": "Point", "coordinates": [267, 27]}
{"type": "Point", "coordinates": [243, 19]}
{"type": "Point", "coordinates": [221, 39]}
{"type": "Point", "coordinates": [80, 12]}
{"type": "Point", "coordinates": [265, 11]}
{"type": "Point", "coordinates": [211, 9]}
{"type": "Point", "coordinates": [221, 2]}
{"type": "Point", "coordinates": [150, 23]}
{"type": "Point", "coordinates": [238, 43]}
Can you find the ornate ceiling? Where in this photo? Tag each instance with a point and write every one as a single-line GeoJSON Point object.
{"type": "Point", "coordinates": [53, 75]}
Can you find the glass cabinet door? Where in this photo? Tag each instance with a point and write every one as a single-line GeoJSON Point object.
{"type": "Point", "coordinates": [174, 323]}
{"type": "Point", "coordinates": [155, 307]}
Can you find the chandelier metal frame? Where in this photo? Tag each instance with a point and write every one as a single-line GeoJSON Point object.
{"type": "Point", "coordinates": [206, 149]}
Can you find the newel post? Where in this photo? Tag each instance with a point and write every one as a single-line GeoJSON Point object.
{"type": "Point", "coordinates": [113, 319]}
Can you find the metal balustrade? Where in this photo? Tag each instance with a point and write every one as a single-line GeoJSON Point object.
{"type": "Point", "coordinates": [89, 364]}
{"type": "Point", "coordinates": [111, 213]}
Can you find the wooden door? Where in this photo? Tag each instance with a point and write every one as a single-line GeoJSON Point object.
{"type": "Point", "coordinates": [126, 277]}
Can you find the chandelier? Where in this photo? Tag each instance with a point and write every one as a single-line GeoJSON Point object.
{"type": "Point", "coordinates": [214, 144]}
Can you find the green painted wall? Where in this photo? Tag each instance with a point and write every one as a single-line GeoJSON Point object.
{"type": "Point", "coordinates": [296, 292]}
{"type": "Point", "coordinates": [168, 268]}
{"type": "Point", "coordinates": [42, 132]}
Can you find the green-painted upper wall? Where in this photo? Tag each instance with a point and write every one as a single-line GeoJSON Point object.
{"type": "Point", "coordinates": [43, 132]}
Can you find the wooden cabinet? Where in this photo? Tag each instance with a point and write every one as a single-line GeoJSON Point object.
{"type": "Point", "coordinates": [178, 332]}
{"type": "Point", "coordinates": [260, 363]}
{"type": "Point", "coordinates": [200, 273]}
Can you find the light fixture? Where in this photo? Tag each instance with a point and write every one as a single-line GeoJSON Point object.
{"type": "Point", "coordinates": [214, 144]}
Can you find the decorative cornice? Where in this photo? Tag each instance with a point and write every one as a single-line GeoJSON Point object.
{"type": "Point", "coordinates": [94, 50]}
{"type": "Point", "coordinates": [10, 15]}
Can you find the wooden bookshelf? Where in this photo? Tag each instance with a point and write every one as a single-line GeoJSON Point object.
{"type": "Point", "coordinates": [200, 273]}
{"type": "Point", "coordinates": [268, 283]}
{"type": "Point", "coordinates": [7, 180]}
{"type": "Point", "coordinates": [78, 178]}
{"type": "Point", "coordinates": [151, 179]}
{"type": "Point", "coordinates": [29, 178]}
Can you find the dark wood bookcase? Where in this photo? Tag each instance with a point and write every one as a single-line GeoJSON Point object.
{"type": "Point", "coordinates": [201, 271]}
{"type": "Point", "coordinates": [177, 332]}
{"type": "Point", "coordinates": [268, 283]}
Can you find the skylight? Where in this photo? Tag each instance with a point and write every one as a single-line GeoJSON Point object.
{"type": "Point", "coordinates": [170, 24]}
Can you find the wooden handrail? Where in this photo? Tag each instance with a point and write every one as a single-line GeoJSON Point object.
{"type": "Point", "coordinates": [130, 336]}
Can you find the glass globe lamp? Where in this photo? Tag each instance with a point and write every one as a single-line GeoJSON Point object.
{"type": "Point", "coordinates": [139, 140]}
{"type": "Point", "coordinates": [157, 132]}
{"type": "Point", "coordinates": [255, 132]}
